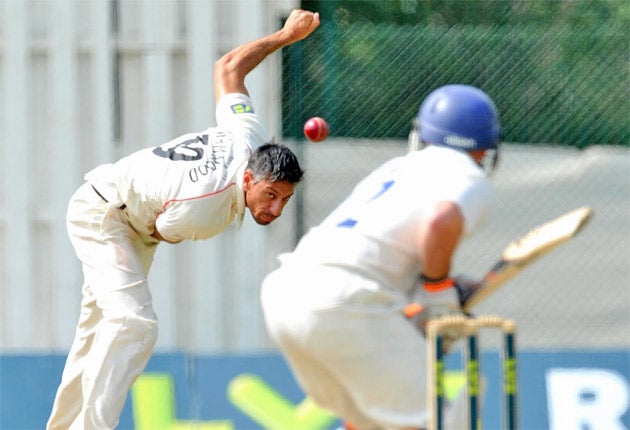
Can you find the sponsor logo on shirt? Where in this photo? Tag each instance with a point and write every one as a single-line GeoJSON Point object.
{"type": "Point", "coordinates": [242, 108]}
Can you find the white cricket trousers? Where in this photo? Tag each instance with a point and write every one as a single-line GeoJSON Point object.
{"type": "Point", "coordinates": [349, 346]}
{"type": "Point", "coordinates": [117, 327]}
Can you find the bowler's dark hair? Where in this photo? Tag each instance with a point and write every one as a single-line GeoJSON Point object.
{"type": "Point", "coordinates": [275, 162]}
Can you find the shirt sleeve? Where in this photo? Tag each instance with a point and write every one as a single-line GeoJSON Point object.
{"type": "Point", "coordinates": [236, 111]}
{"type": "Point", "coordinates": [200, 217]}
{"type": "Point", "coordinates": [475, 202]}
{"type": "Point", "coordinates": [469, 187]}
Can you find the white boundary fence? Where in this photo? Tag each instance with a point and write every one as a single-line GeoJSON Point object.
{"type": "Point", "coordinates": [85, 82]}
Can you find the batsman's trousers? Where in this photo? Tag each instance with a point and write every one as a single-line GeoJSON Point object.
{"type": "Point", "coordinates": [350, 347]}
{"type": "Point", "coordinates": [117, 327]}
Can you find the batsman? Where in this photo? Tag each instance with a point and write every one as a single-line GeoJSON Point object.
{"type": "Point", "coordinates": [335, 306]}
{"type": "Point", "coordinates": [191, 188]}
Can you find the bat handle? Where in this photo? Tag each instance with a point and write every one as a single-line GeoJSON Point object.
{"type": "Point", "coordinates": [466, 292]}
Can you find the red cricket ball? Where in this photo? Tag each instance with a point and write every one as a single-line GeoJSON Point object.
{"type": "Point", "coordinates": [316, 129]}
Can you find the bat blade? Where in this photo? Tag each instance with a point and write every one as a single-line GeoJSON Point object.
{"type": "Point", "coordinates": [527, 249]}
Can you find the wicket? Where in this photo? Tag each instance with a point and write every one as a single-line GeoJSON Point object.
{"type": "Point", "coordinates": [435, 367]}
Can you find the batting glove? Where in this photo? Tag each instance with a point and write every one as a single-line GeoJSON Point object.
{"type": "Point", "coordinates": [437, 298]}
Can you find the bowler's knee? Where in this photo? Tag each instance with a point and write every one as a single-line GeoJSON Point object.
{"type": "Point", "coordinates": [135, 327]}
{"type": "Point", "coordinates": [145, 329]}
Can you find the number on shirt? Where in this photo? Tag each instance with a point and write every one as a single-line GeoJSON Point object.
{"type": "Point", "coordinates": [184, 151]}
{"type": "Point", "coordinates": [351, 222]}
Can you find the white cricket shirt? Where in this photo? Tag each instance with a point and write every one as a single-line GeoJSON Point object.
{"type": "Point", "coordinates": [373, 232]}
{"type": "Point", "coordinates": [190, 187]}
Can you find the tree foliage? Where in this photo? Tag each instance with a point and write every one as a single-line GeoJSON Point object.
{"type": "Point", "coordinates": [474, 12]}
{"type": "Point", "coordinates": [558, 70]}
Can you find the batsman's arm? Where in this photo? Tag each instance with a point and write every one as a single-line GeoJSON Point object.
{"type": "Point", "coordinates": [438, 237]}
{"type": "Point", "coordinates": [231, 69]}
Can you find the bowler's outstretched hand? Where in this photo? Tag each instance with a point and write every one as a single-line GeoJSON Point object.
{"type": "Point", "coordinates": [300, 24]}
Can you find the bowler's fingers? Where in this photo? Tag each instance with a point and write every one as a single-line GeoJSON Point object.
{"type": "Point", "coordinates": [301, 23]}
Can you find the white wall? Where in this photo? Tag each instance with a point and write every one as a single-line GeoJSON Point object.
{"type": "Point", "coordinates": [86, 82]}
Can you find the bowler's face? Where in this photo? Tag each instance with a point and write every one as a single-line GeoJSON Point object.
{"type": "Point", "coordinates": [266, 199]}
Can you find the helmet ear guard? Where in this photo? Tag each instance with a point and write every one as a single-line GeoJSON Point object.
{"type": "Point", "coordinates": [414, 143]}
{"type": "Point", "coordinates": [490, 160]}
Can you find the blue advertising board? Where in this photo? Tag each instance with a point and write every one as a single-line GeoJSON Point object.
{"type": "Point", "coordinates": [557, 390]}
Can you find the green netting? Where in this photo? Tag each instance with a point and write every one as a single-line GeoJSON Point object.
{"type": "Point", "coordinates": [553, 84]}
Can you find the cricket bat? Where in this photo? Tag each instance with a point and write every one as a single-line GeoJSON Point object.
{"type": "Point", "coordinates": [527, 249]}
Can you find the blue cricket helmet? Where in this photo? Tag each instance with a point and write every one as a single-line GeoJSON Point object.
{"type": "Point", "coordinates": [461, 117]}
